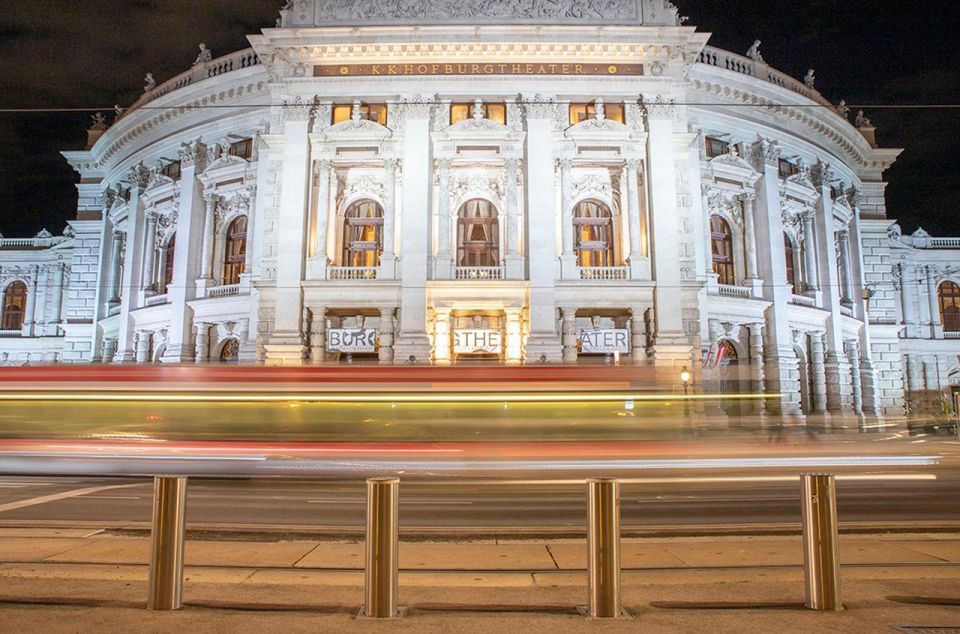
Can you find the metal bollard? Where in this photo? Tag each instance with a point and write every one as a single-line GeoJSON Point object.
{"type": "Point", "coordinates": [603, 537]}
{"type": "Point", "coordinates": [382, 572]}
{"type": "Point", "coordinates": [821, 565]}
{"type": "Point", "coordinates": [166, 549]}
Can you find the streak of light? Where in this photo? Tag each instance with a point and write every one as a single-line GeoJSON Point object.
{"type": "Point", "coordinates": [732, 479]}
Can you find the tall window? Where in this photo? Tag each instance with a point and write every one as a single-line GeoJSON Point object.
{"type": "Point", "coordinates": [583, 111]}
{"type": "Point", "coordinates": [242, 149]}
{"type": "Point", "coordinates": [721, 245]}
{"type": "Point", "coordinates": [168, 253]}
{"type": "Point", "coordinates": [493, 111]}
{"type": "Point", "coordinates": [235, 254]}
{"type": "Point", "coordinates": [478, 234]}
{"type": "Point", "coordinates": [593, 234]}
{"type": "Point", "coordinates": [362, 234]}
{"type": "Point", "coordinates": [376, 112]}
{"type": "Point", "coordinates": [14, 306]}
{"type": "Point", "coordinates": [788, 252]}
{"type": "Point", "coordinates": [949, 294]}
{"type": "Point", "coordinates": [715, 147]}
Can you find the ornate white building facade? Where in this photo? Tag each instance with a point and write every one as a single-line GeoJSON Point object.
{"type": "Point", "coordinates": [443, 182]}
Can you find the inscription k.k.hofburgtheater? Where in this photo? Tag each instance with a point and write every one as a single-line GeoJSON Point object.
{"type": "Point", "coordinates": [498, 68]}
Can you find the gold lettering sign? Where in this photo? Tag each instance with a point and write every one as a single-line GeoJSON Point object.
{"type": "Point", "coordinates": [459, 68]}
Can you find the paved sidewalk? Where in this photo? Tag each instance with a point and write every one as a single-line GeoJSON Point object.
{"type": "Point", "coordinates": [72, 581]}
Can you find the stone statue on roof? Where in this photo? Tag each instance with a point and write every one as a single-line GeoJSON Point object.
{"type": "Point", "coordinates": [810, 78]}
{"type": "Point", "coordinates": [754, 52]}
{"type": "Point", "coordinates": [151, 83]}
{"type": "Point", "coordinates": [205, 55]}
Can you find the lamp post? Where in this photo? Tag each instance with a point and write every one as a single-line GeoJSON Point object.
{"type": "Point", "coordinates": [685, 379]}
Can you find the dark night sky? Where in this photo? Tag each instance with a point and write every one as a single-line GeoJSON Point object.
{"type": "Point", "coordinates": [95, 53]}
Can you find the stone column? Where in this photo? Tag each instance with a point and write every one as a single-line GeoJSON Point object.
{"type": "Point", "coordinates": [903, 274]}
{"type": "Point", "coordinates": [846, 273]}
{"type": "Point", "coordinates": [756, 364]}
{"type": "Point", "coordinates": [109, 350]}
{"type": "Point", "coordinates": [318, 334]}
{"type": "Point", "coordinates": [209, 215]}
{"type": "Point", "coordinates": [513, 261]}
{"type": "Point", "coordinates": [28, 317]}
{"type": "Point", "coordinates": [251, 236]}
{"type": "Point", "coordinates": [568, 261]}
{"type": "Point", "coordinates": [818, 367]}
{"type": "Point", "coordinates": [630, 173]}
{"type": "Point", "coordinates": [809, 253]}
{"type": "Point", "coordinates": [514, 336]}
{"type": "Point", "coordinates": [750, 239]}
{"type": "Point", "coordinates": [388, 259]}
{"type": "Point", "coordinates": [569, 327]}
{"type": "Point", "coordinates": [441, 336]}
{"type": "Point", "coordinates": [149, 253]}
{"type": "Point", "coordinates": [386, 335]}
{"type": "Point", "coordinates": [286, 344]}
{"type": "Point", "coordinates": [322, 174]}
{"type": "Point", "coordinates": [116, 261]}
{"type": "Point", "coordinates": [202, 346]}
{"type": "Point", "coordinates": [143, 346]}
{"type": "Point", "coordinates": [853, 359]}
{"type": "Point", "coordinates": [443, 267]}
{"type": "Point", "coordinates": [638, 336]}
{"type": "Point", "coordinates": [914, 382]}
{"type": "Point", "coordinates": [57, 291]}
{"type": "Point", "coordinates": [936, 324]}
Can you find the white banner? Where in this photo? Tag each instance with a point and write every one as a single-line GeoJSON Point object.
{"type": "Point", "coordinates": [477, 341]}
{"type": "Point", "coordinates": [605, 341]}
{"type": "Point", "coordinates": [352, 340]}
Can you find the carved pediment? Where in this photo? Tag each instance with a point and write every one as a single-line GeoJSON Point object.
{"type": "Point", "coordinates": [732, 163]}
{"type": "Point", "coordinates": [472, 125]}
{"type": "Point", "coordinates": [362, 129]}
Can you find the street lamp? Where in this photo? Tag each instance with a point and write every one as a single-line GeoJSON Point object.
{"type": "Point", "coordinates": [685, 379]}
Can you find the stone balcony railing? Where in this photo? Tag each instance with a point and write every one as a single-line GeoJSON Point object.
{"type": "Point", "coordinates": [921, 241]}
{"type": "Point", "coordinates": [479, 273]}
{"type": "Point", "coordinates": [156, 300]}
{"type": "Point", "coordinates": [803, 300]}
{"type": "Point", "coordinates": [11, 333]}
{"type": "Point", "coordinates": [604, 273]}
{"type": "Point", "coordinates": [353, 273]}
{"type": "Point", "coordinates": [753, 68]}
{"type": "Point", "coordinates": [246, 58]}
{"type": "Point", "coordinates": [227, 290]}
{"type": "Point", "coordinates": [31, 243]}
{"type": "Point", "coordinates": [725, 290]}
{"type": "Point", "coordinates": [951, 335]}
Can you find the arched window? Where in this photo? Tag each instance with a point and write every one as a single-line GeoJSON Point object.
{"type": "Point", "coordinates": [721, 246]}
{"type": "Point", "coordinates": [478, 234]}
{"type": "Point", "coordinates": [789, 254]}
{"type": "Point", "coordinates": [362, 234]}
{"type": "Point", "coordinates": [949, 294]}
{"type": "Point", "coordinates": [235, 254]}
{"type": "Point", "coordinates": [168, 262]}
{"type": "Point", "coordinates": [14, 306]}
{"type": "Point", "coordinates": [593, 234]}
{"type": "Point", "coordinates": [230, 352]}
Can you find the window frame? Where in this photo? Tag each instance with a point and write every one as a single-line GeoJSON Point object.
{"type": "Point", "coordinates": [235, 252]}
{"type": "Point", "coordinates": [950, 322]}
{"type": "Point", "coordinates": [714, 147]}
{"type": "Point", "coordinates": [10, 296]}
{"type": "Point", "coordinates": [723, 264]}
{"type": "Point", "coordinates": [342, 112]}
{"type": "Point", "coordinates": [583, 111]}
{"type": "Point", "coordinates": [602, 229]}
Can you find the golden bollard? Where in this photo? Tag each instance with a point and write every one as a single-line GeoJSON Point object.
{"type": "Point", "coordinates": [382, 571]}
{"type": "Point", "coordinates": [821, 566]}
{"type": "Point", "coordinates": [603, 537]}
{"type": "Point", "coordinates": [166, 549]}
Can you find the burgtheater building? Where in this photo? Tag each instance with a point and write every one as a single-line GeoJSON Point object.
{"type": "Point", "coordinates": [514, 181]}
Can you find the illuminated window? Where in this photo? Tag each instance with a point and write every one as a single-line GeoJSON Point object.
{"type": "Point", "coordinates": [715, 147]}
{"type": "Point", "coordinates": [362, 234]}
{"type": "Point", "coordinates": [235, 254]}
{"type": "Point", "coordinates": [376, 112]}
{"type": "Point", "coordinates": [721, 245]}
{"type": "Point", "coordinates": [493, 111]}
{"type": "Point", "coordinates": [949, 295]}
{"type": "Point", "coordinates": [172, 170]}
{"type": "Point", "coordinates": [478, 234]}
{"type": "Point", "coordinates": [230, 352]}
{"type": "Point", "coordinates": [168, 262]}
{"type": "Point", "coordinates": [787, 169]}
{"type": "Point", "coordinates": [14, 306]}
{"type": "Point", "coordinates": [593, 234]}
{"type": "Point", "coordinates": [583, 111]}
{"type": "Point", "coordinates": [242, 149]}
{"type": "Point", "coordinates": [789, 254]}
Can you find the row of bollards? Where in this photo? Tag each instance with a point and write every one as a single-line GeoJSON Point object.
{"type": "Point", "coordinates": [820, 562]}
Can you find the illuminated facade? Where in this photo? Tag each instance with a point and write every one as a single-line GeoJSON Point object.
{"type": "Point", "coordinates": [511, 182]}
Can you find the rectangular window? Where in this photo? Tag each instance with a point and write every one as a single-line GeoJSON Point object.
{"type": "Point", "coordinates": [493, 111]}
{"type": "Point", "coordinates": [715, 147]}
{"type": "Point", "coordinates": [376, 112]}
{"type": "Point", "coordinates": [787, 169]}
{"type": "Point", "coordinates": [172, 170]}
{"type": "Point", "coordinates": [242, 149]}
{"type": "Point", "coordinates": [582, 111]}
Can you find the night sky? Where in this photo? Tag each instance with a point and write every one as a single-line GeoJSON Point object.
{"type": "Point", "coordinates": [94, 53]}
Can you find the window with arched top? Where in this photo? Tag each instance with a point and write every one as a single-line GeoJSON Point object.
{"type": "Point", "coordinates": [235, 253]}
{"type": "Point", "coordinates": [230, 352]}
{"type": "Point", "coordinates": [478, 234]}
{"type": "Point", "coordinates": [168, 253]}
{"type": "Point", "coordinates": [790, 255]}
{"type": "Point", "coordinates": [593, 234]}
{"type": "Point", "coordinates": [362, 234]}
{"type": "Point", "coordinates": [14, 306]}
{"type": "Point", "coordinates": [949, 296]}
{"type": "Point", "coordinates": [721, 247]}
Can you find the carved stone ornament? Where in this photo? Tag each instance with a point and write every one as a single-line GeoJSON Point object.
{"type": "Point", "coordinates": [791, 220]}
{"type": "Point", "coordinates": [464, 184]}
{"type": "Point", "coordinates": [235, 203]}
{"type": "Point", "coordinates": [362, 186]}
{"type": "Point", "coordinates": [193, 154]}
{"type": "Point", "coordinates": [802, 177]}
{"type": "Point", "coordinates": [542, 107]}
{"type": "Point", "coordinates": [166, 224]}
{"type": "Point", "coordinates": [765, 152]}
{"type": "Point", "coordinates": [726, 203]}
{"type": "Point", "coordinates": [660, 108]}
{"type": "Point", "coordinates": [853, 197]}
{"type": "Point", "coordinates": [417, 107]}
{"type": "Point", "coordinates": [500, 11]}
{"type": "Point", "coordinates": [138, 176]}
{"type": "Point", "coordinates": [592, 183]}
{"type": "Point", "coordinates": [822, 174]}
{"type": "Point", "coordinates": [297, 109]}
{"type": "Point", "coordinates": [635, 117]}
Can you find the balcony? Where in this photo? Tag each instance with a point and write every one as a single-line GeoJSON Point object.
{"type": "Point", "coordinates": [617, 273]}
{"type": "Point", "coordinates": [11, 333]}
{"type": "Point", "coordinates": [156, 300]}
{"type": "Point", "coordinates": [479, 273]}
{"type": "Point", "coordinates": [946, 335]}
{"type": "Point", "coordinates": [353, 272]}
{"type": "Point", "coordinates": [742, 292]}
{"type": "Point", "coordinates": [228, 290]}
{"type": "Point", "coordinates": [803, 300]}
